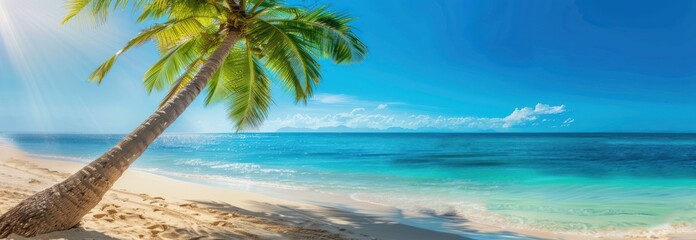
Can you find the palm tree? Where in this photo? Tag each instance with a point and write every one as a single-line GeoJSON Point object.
{"type": "Point", "coordinates": [231, 47]}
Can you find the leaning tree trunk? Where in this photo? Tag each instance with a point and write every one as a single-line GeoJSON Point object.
{"type": "Point", "coordinates": [61, 206]}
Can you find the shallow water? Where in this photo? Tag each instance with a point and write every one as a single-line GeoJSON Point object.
{"type": "Point", "coordinates": [561, 182]}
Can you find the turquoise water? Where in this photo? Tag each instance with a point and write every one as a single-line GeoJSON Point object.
{"type": "Point", "coordinates": [562, 182]}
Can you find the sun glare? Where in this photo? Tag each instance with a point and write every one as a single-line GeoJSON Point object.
{"type": "Point", "coordinates": [16, 45]}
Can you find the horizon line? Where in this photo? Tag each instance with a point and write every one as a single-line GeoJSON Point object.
{"type": "Point", "coordinates": [362, 132]}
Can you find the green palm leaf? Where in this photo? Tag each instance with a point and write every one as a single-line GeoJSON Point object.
{"type": "Point", "coordinates": [251, 93]}
{"type": "Point", "coordinates": [98, 9]}
{"type": "Point", "coordinates": [171, 65]}
{"type": "Point", "coordinates": [289, 56]}
{"type": "Point", "coordinates": [184, 79]}
{"type": "Point", "coordinates": [332, 32]}
{"type": "Point", "coordinates": [168, 33]}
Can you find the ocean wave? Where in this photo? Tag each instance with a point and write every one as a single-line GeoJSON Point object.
{"type": "Point", "coordinates": [245, 168]}
{"type": "Point", "coordinates": [6, 141]}
{"type": "Point", "coordinates": [224, 180]}
{"type": "Point", "coordinates": [430, 205]}
{"type": "Point", "coordinates": [479, 213]}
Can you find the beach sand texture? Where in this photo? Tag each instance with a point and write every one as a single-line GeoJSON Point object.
{"type": "Point", "coordinates": [147, 206]}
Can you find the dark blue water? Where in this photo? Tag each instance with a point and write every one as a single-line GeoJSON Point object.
{"type": "Point", "coordinates": [561, 182]}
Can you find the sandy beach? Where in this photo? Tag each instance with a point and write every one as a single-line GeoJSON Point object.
{"type": "Point", "coordinates": [147, 206]}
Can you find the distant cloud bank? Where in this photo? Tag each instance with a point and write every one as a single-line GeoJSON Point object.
{"type": "Point", "coordinates": [360, 118]}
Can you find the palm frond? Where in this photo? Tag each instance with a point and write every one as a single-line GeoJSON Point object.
{"type": "Point", "coordinates": [249, 88]}
{"type": "Point", "coordinates": [169, 33]}
{"type": "Point", "coordinates": [243, 84]}
{"type": "Point", "coordinates": [156, 9]}
{"type": "Point", "coordinates": [184, 79]}
{"type": "Point", "coordinates": [217, 90]}
{"type": "Point", "coordinates": [261, 4]}
{"type": "Point", "coordinates": [174, 63]}
{"type": "Point", "coordinates": [74, 8]}
{"type": "Point", "coordinates": [97, 10]}
{"type": "Point", "coordinates": [330, 33]}
{"type": "Point", "coordinates": [176, 32]}
{"type": "Point", "coordinates": [288, 55]}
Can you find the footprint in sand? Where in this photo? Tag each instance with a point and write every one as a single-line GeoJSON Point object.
{"type": "Point", "coordinates": [145, 197]}
{"type": "Point", "coordinates": [157, 228]}
{"type": "Point", "coordinates": [190, 205]}
{"type": "Point", "coordinates": [103, 217]}
{"type": "Point", "coordinates": [109, 206]}
{"type": "Point", "coordinates": [219, 223]}
{"type": "Point", "coordinates": [108, 213]}
{"type": "Point", "coordinates": [158, 203]}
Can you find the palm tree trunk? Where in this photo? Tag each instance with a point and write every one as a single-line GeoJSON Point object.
{"type": "Point", "coordinates": [61, 206]}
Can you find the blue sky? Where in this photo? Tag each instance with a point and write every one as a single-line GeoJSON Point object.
{"type": "Point", "coordinates": [469, 66]}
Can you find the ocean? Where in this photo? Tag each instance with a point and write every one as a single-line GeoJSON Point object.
{"type": "Point", "coordinates": [564, 182]}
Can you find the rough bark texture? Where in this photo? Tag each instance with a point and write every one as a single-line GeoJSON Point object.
{"type": "Point", "coordinates": [63, 205]}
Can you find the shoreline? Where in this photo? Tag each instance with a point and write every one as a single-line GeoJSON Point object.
{"type": "Point", "coordinates": [325, 215]}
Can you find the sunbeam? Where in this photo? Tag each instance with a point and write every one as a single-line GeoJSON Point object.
{"type": "Point", "coordinates": [37, 50]}
{"type": "Point", "coordinates": [15, 45]}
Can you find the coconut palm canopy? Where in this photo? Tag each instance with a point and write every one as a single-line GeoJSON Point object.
{"type": "Point", "coordinates": [276, 42]}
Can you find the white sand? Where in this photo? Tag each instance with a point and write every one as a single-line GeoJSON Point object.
{"type": "Point", "coordinates": [148, 206]}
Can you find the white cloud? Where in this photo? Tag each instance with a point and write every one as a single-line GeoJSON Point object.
{"type": "Point", "coordinates": [360, 118]}
{"type": "Point", "coordinates": [382, 106]}
{"type": "Point", "coordinates": [567, 122]}
{"type": "Point", "coordinates": [526, 114]}
{"type": "Point", "coordinates": [333, 98]}
{"type": "Point", "coordinates": [546, 109]}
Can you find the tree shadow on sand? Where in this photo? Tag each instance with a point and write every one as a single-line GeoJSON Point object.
{"type": "Point", "coordinates": [290, 222]}
{"type": "Point", "coordinates": [347, 222]}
